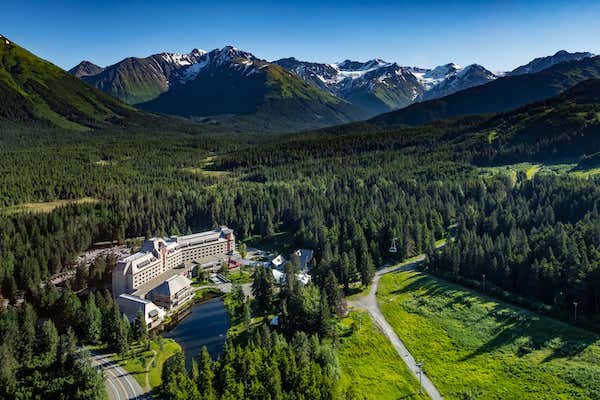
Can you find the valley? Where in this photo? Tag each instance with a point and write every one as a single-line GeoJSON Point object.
{"type": "Point", "coordinates": [373, 229]}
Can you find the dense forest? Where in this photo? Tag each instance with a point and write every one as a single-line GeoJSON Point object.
{"type": "Point", "coordinates": [39, 345]}
{"type": "Point", "coordinates": [346, 192]}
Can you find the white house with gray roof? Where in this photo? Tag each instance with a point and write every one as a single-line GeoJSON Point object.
{"type": "Point", "coordinates": [131, 306]}
{"type": "Point", "coordinates": [172, 293]}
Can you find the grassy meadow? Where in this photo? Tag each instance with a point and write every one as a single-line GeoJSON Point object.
{"type": "Point", "coordinates": [44, 207]}
{"type": "Point", "coordinates": [477, 348]}
{"type": "Point", "coordinates": [371, 367]}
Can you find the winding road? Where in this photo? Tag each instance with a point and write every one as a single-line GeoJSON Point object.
{"type": "Point", "coordinates": [369, 303]}
{"type": "Point", "coordinates": [120, 384]}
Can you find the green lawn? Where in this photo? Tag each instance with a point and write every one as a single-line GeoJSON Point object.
{"type": "Point", "coordinates": [241, 275]}
{"type": "Point", "coordinates": [139, 360]}
{"type": "Point", "coordinates": [478, 348]}
{"type": "Point", "coordinates": [371, 368]}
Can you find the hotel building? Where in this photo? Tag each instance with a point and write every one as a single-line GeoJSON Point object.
{"type": "Point", "coordinates": [159, 255]}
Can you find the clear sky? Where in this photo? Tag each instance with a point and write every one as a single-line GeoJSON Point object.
{"type": "Point", "coordinates": [497, 34]}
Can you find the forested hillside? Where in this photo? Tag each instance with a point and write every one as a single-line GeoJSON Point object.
{"type": "Point", "coordinates": [345, 192]}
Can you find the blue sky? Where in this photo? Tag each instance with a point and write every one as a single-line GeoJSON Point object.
{"type": "Point", "coordinates": [497, 34]}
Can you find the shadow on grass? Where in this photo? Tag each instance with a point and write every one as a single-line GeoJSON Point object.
{"type": "Point", "coordinates": [353, 290]}
{"type": "Point", "coordinates": [535, 332]}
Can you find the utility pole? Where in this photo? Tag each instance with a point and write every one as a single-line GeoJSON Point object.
{"type": "Point", "coordinates": [575, 307]}
{"type": "Point", "coordinates": [420, 372]}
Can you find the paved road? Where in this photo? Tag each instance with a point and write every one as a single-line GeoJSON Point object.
{"type": "Point", "coordinates": [120, 385]}
{"type": "Point", "coordinates": [369, 303]}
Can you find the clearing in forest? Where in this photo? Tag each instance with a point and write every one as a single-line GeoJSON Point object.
{"type": "Point", "coordinates": [477, 347]}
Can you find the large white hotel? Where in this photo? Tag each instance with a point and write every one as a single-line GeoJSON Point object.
{"type": "Point", "coordinates": [159, 255]}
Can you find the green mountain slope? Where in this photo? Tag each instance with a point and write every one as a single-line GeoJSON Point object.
{"type": "Point", "coordinates": [235, 88]}
{"type": "Point", "coordinates": [137, 80]}
{"type": "Point", "coordinates": [498, 96]}
{"type": "Point", "coordinates": [566, 126]}
{"type": "Point", "coordinates": [32, 89]}
{"type": "Point", "coordinates": [133, 80]}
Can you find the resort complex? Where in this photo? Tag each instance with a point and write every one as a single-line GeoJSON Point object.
{"type": "Point", "coordinates": [155, 281]}
{"type": "Point", "coordinates": [160, 255]}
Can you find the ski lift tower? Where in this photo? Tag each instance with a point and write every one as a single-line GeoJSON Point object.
{"type": "Point", "coordinates": [393, 248]}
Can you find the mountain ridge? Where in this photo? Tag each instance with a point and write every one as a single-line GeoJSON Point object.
{"type": "Point", "coordinates": [500, 95]}
{"type": "Point", "coordinates": [540, 63]}
{"type": "Point", "coordinates": [35, 90]}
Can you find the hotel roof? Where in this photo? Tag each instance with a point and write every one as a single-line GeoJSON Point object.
{"type": "Point", "coordinates": [171, 286]}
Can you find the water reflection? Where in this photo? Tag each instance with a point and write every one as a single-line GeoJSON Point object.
{"type": "Point", "coordinates": [206, 326]}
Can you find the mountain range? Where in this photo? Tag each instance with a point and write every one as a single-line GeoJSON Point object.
{"type": "Point", "coordinates": [218, 85]}
{"type": "Point", "coordinates": [230, 82]}
{"type": "Point", "coordinates": [500, 95]}
{"type": "Point", "coordinates": [235, 90]}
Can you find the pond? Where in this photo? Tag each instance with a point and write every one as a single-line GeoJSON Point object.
{"type": "Point", "coordinates": [206, 325]}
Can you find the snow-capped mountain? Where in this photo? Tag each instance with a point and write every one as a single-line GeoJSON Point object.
{"type": "Point", "coordinates": [136, 80]}
{"type": "Point", "coordinates": [222, 84]}
{"type": "Point", "coordinates": [323, 76]}
{"type": "Point", "coordinates": [378, 86]}
{"type": "Point", "coordinates": [542, 63]}
{"type": "Point", "coordinates": [375, 86]}
{"type": "Point", "coordinates": [182, 60]}
{"type": "Point", "coordinates": [431, 77]}
{"type": "Point", "coordinates": [227, 57]}
{"type": "Point", "coordinates": [456, 79]}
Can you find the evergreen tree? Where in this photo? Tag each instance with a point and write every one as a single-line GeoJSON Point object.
{"type": "Point", "coordinates": [140, 329]}
{"type": "Point", "coordinates": [93, 320]}
{"type": "Point", "coordinates": [28, 333]}
{"type": "Point", "coordinates": [263, 289]}
{"type": "Point", "coordinates": [206, 376]}
{"type": "Point", "coordinates": [49, 341]}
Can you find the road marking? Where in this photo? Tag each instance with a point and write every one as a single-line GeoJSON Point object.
{"type": "Point", "coordinates": [123, 375]}
{"type": "Point", "coordinates": [107, 370]}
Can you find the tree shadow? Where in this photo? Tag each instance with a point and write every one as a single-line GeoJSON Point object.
{"type": "Point", "coordinates": [534, 331]}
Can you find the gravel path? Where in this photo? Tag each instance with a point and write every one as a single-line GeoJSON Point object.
{"type": "Point", "coordinates": [369, 303]}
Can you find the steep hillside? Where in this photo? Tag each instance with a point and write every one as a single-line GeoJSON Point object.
{"type": "Point", "coordinates": [137, 80]}
{"type": "Point", "coordinates": [228, 82]}
{"type": "Point", "coordinates": [566, 126]}
{"type": "Point", "coordinates": [32, 90]}
{"type": "Point", "coordinates": [500, 95]}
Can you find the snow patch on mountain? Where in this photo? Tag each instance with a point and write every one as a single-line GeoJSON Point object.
{"type": "Point", "coordinates": [227, 57]}
{"type": "Point", "coordinates": [432, 77]}
{"type": "Point", "coordinates": [183, 59]}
